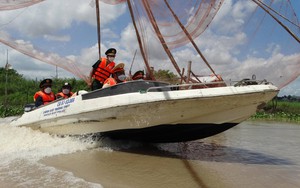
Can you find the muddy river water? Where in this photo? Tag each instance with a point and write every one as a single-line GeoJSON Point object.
{"type": "Point", "coordinates": [252, 154]}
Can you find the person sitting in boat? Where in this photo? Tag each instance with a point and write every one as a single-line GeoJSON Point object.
{"type": "Point", "coordinates": [118, 76]}
{"type": "Point", "coordinates": [66, 91]}
{"type": "Point", "coordinates": [45, 95]}
{"type": "Point", "coordinates": [138, 75]}
{"type": "Point", "coordinates": [102, 69]}
{"type": "Point", "coordinates": [119, 73]}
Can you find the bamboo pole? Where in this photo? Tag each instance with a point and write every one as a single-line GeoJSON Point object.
{"type": "Point", "coordinates": [259, 3]}
{"type": "Point", "coordinates": [189, 68]}
{"type": "Point", "coordinates": [140, 41]}
{"type": "Point", "coordinates": [190, 38]}
{"type": "Point", "coordinates": [98, 27]}
{"type": "Point", "coordinates": [159, 35]}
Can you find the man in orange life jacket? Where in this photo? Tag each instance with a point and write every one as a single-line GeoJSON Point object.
{"type": "Point", "coordinates": [45, 95]}
{"type": "Point", "coordinates": [118, 76]}
{"type": "Point", "coordinates": [103, 69]}
{"type": "Point", "coordinates": [66, 91]}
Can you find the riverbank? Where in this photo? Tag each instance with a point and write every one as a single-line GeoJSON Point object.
{"type": "Point", "coordinates": [276, 117]}
{"type": "Point", "coordinates": [279, 111]}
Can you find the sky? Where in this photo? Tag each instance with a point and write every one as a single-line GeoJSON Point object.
{"type": "Point", "coordinates": [234, 45]}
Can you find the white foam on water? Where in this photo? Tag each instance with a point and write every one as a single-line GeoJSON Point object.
{"type": "Point", "coordinates": [20, 150]}
{"type": "Point", "coordinates": [25, 143]}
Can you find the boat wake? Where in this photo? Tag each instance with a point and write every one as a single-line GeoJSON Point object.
{"type": "Point", "coordinates": [25, 143]}
{"type": "Point", "coordinates": [22, 149]}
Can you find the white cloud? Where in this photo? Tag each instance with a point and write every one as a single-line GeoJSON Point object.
{"type": "Point", "coordinates": [51, 16]}
{"type": "Point", "coordinates": [231, 16]}
{"type": "Point", "coordinates": [63, 38]}
{"type": "Point", "coordinates": [227, 47]}
{"type": "Point", "coordinates": [108, 34]}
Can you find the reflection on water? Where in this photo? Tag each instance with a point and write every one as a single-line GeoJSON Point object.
{"type": "Point", "coordinates": [248, 143]}
{"type": "Point", "coordinates": [209, 152]}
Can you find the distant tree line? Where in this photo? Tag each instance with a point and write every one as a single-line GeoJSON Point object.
{"type": "Point", "coordinates": [289, 98]}
{"type": "Point", "coordinates": [16, 91]}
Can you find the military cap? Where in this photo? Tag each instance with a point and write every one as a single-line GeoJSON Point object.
{"type": "Point", "coordinates": [67, 85]}
{"type": "Point", "coordinates": [46, 82]}
{"type": "Point", "coordinates": [138, 75]}
{"type": "Point", "coordinates": [119, 67]}
{"type": "Point", "coordinates": [111, 51]}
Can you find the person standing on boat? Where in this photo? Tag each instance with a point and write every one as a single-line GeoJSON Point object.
{"type": "Point", "coordinates": [45, 95]}
{"type": "Point", "coordinates": [66, 91]}
{"type": "Point", "coordinates": [102, 69]}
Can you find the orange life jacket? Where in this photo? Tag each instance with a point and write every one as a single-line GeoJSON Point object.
{"type": "Point", "coordinates": [64, 95]}
{"type": "Point", "coordinates": [109, 82]}
{"type": "Point", "coordinates": [46, 97]}
{"type": "Point", "coordinates": [103, 71]}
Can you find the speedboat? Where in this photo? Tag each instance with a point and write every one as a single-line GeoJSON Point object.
{"type": "Point", "coordinates": [151, 111]}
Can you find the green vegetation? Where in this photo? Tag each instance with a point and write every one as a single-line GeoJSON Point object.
{"type": "Point", "coordinates": [166, 76]}
{"type": "Point", "coordinates": [279, 109]}
{"type": "Point", "coordinates": [16, 91]}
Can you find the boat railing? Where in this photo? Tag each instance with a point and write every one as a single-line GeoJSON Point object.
{"type": "Point", "coordinates": [187, 86]}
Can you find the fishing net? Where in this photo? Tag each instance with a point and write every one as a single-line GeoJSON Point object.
{"type": "Point", "coordinates": [16, 4]}
{"type": "Point", "coordinates": [233, 38]}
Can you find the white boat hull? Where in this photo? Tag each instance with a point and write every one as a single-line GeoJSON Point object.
{"type": "Point", "coordinates": [178, 110]}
